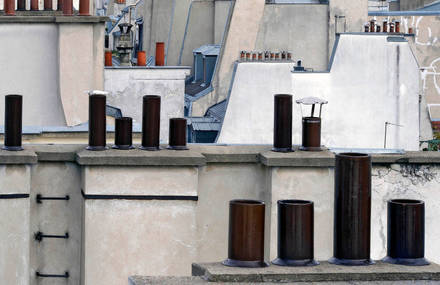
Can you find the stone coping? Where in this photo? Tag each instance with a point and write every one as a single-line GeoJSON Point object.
{"type": "Point", "coordinates": [325, 272]}
{"type": "Point", "coordinates": [197, 155]}
{"type": "Point", "coordinates": [44, 17]}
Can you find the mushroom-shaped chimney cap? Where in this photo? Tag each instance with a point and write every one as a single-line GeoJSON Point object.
{"type": "Point", "coordinates": [311, 101]}
{"type": "Point", "coordinates": [98, 92]}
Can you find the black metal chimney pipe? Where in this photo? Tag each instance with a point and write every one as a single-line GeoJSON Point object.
{"type": "Point", "coordinates": [246, 234]}
{"type": "Point", "coordinates": [311, 134]}
{"type": "Point", "coordinates": [406, 232]}
{"type": "Point", "coordinates": [123, 133]}
{"type": "Point", "coordinates": [352, 218]}
{"type": "Point", "coordinates": [177, 135]}
{"type": "Point", "coordinates": [13, 122]}
{"type": "Point", "coordinates": [282, 135]}
{"type": "Point", "coordinates": [295, 233]}
{"type": "Point", "coordinates": [150, 122]}
{"type": "Point", "coordinates": [97, 122]}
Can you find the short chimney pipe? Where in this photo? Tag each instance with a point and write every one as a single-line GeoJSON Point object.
{"type": "Point", "coordinates": [34, 5]}
{"type": "Point", "coordinates": [67, 7]}
{"type": "Point", "coordinates": [282, 136]}
{"type": "Point", "coordinates": [97, 122]}
{"type": "Point", "coordinates": [177, 134]}
{"type": "Point", "coordinates": [160, 54]}
{"type": "Point", "coordinates": [9, 6]}
{"type": "Point", "coordinates": [295, 233]}
{"type": "Point", "coordinates": [59, 5]}
{"type": "Point", "coordinates": [21, 5]}
{"type": "Point", "coordinates": [123, 133]}
{"type": "Point", "coordinates": [352, 218]}
{"type": "Point", "coordinates": [48, 5]}
{"type": "Point", "coordinates": [141, 58]}
{"type": "Point", "coordinates": [385, 26]}
{"type": "Point", "coordinates": [406, 232]}
{"type": "Point", "coordinates": [150, 122]}
{"type": "Point", "coordinates": [246, 234]}
{"type": "Point", "coordinates": [108, 61]}
{"type": "Point", "coordinates": [13, 122]}
{"type": "Point", "coordinates": [84, 7]}
{"type": "Point", "coordinates": [311, 134]}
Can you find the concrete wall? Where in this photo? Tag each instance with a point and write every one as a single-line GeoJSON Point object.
{"type": "Point", "coordinates": [127, 86]}
{"type": "Point", "coordinates": [154, 213]}
{"type": "Point", "coordinates": [52, 64]}
{"type": "Point", "coordinates": [383, 87]}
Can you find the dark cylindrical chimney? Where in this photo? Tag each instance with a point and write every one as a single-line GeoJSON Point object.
{"type": "Point", "coordinates": [177, 135]}
{"type": "Point", "coordinates": [84, 7]}
{"type": "Point", "coordinates": [48, 5]}
{"type": "Point", "coordinates": [34, 5]}
{"type": "Point", "coordinates": [13, 122]}
{"type": "Point", "coordinates": [67, 7]}
{"type": "Point", "coordinates": [246, 234]}
{"type": "Point", "coordinates": [282, 130]}
{"type": "Point", "coordinates": [97, 122]}
{"type": "Point", "coordinates": [406, 232]}
{"type": "Point", "coordinates": [385, 26]}
{"type": "Point", "coordinates": [123, 133]}
{"type": "Point", "coordinates": [150, 122]}
{"type": "Point", "coordinates": [60, 5]}
{"type": "Point", "coordinates": [311, 134]}
{"type": "Point", "coordinates": [21, 5]}
{"type": "Point", "coordinates": [160, 54]}
{"type": "Point", "coordinates": [295, 233]}
{"type": "Point", "coordinates": [351, 238]}
{"type": "Point", "coordinates": [9, 6]}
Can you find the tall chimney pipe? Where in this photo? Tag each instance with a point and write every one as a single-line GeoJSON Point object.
{"type": "Point", "coordinates": [150, 122]}
{"type": "Point", "coordinates": [141, 58]}
{"type": "Point", "coordinates": [123, 133]}
{"type": "Point", "coordinates": [282, 135]}
{"type": "Point", "coordinates": [177, 135]}
{"type": "Point", "coordinates": [160, 54]}
{"type": "Point", "coordinates": [13, 122]}
{"type": "Point", "coordinates": [97, 121]}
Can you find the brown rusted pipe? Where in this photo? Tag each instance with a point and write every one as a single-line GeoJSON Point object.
{"type": "Point", "coordinates": [372, 26]}
{"type": "Point", "coordinates": [150, 122]}
{"type": "Point", "coordinates": [397, 27]}
{"type": "Point", "coordinates": [67, 7]}
{"type": "Point", "coordinates": [141, 58]}
{"type": "Point", "coordinates": [108, 58]}
{"type": "Point", "coordinates": [160, 54]}
{"type": "Point", "coordinates": [295, 233]}
{"type": "Point", "coordinates": [97, 122]}
{"type": "Point", "coordinates": [60, 5]}
{"type": "Point", "coordinates": [406, 232]}
{"type": "Point", "coordinates": [9, 6]}
{"type": "Point", "coordinates": [34, 5]}
{"type": "Point", "coordinates": [123, 133]}
{"type": "Point", "coordinates": [84, 7]}
{"type": "Point", "coordinates": [177, 135]}
{"type": "Point", "coordinates": [311, 134]}
{"type": "Point", "coordinates": [48, 5]}
{"type": "Point", "coordinates": [13, 122]}
{"type": "Point", "coordinates": [246, 234]}
{"type": "Point", "coordinates": [282, 130]}
{"type": "Point", "coordinates": [352, 218]}
{"type": "Point", "coordinates": [21, 5]}
{"type": "Point", "coordinates": [385, 27]}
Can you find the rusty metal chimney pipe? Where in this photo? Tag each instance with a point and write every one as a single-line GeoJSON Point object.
{"type": "Point", "coordinates": [282, 135]}
{"type": "Point", "coordinates": [34, 5]}
{"type": "Point", "coordinates": [123, 133]}
{"type": "Point", "coordinates": [13, 122]}
{"type": "Point", "coordinates": [311, 134]}
{"type": "Point", "coordinates": [295, 233]}
{"type": "Point", "coordinates": [84, 7]}
{"type": "Point", "coordinates": [21, 5]}
{"type": "Point", "coordinates": [97, 122]}
{"type": "Point", "coordinates": [352, 218]}
{"type": "Point", "coordinates": [9, 6]}
{"type": "Point", "coordinates": [406, 232]}
{"type": "Point", "coordinates": [67, 7]}
{"type": "Point", "coordinates": [246, 234]}
{"type": "Point", "coordinates": [160, 54]}
{"type": "Point", "coordinates": [150, 122]}
{"type": "Point", "coordinates": [48, 5]}
{"type": "Point", "coordinates": [177, 135]}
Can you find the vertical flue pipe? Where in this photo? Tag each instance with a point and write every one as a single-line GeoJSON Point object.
{"type": "Point", "coordinates": [150, 122]}
{"type": "Point", "coordinates": [177, 135]}
{"type": "Point", "coordinates": [9, 6]}
{"type": "Point", "coordinates": [295, 233]}
{"type": "Point", "coordinates": [97, 122]}
{"type": "Point", "coordinates": [59, 5]}
{"type": "Point", "coordinates": [123, 133]}
{"type": "Point", "coordinates": [141, 58]}
{"type": "Point", "coordinates": [34, 5]}
{"type": "Point", "coordinates": [246, 234]}
{"type": "Point", "coordinates": [67, 7]}
{"type": "Point", "coordinates": [21, 5]}
{"type": "Point", "coordinates": [47, 5]}
{"type": "Point", "coordinates": [160, 54]}
{"type": "Point", "coordinates": [311, 134]}
{"type": "Point", "coordinates": [13, 122]}
{"type": "Point", "coordinates": [406, 232]}
{"type": "Point", "coordinates": [282, 133]}
{"type": "Point", "coordinates": [352, 218]}
{"type": "Point", "coordinates": [84, 7]}
{"type": "Point", "coordinates": [108, 61]}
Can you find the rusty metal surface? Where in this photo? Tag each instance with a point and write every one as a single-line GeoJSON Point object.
{"type": "Point", "coordinates": [311, 134]}
{"type": "Point", "coordinates": [406, 232]}
{"type": "Point", "coordinates": [97, 122]}
{"type": "Point", "coordinates": [13, 122]}
{"type": "Point", "coordinates": [123, 133]}
{"type": "Point", "coordinates": [9, 6]}
{"type": "Point", "coordinates": [150, 122]}
{"type": "Point", "coordinates": [295, 233]}
{"type": "Point", "coordinates": [84, 7]}
{"type": "Point", "coordinates": [352, 218]}
{"type": "Point", "coordinates": [67, 7]}
{"type": "Point", "coordinates": [177, 134]}
{"type": "Point", "coordinates": [282, 130]}
{"type": "Point", "coordinates": [246, 234]}
{"type": "Point", "coordinates": [47, 5]}
{"type": "Point", "coordinates": [160, 54]}
{"type": "Point", "coordinates": [34, 5]}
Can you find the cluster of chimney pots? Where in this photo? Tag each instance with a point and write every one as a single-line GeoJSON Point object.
{"type": "Point", "coordinates": [392, 26]}
{"type": "Point", "coordinates": [141, 56]}
{"type": "Point", "coordinates": [66, 6]}
{"type": "Point", "coordinates": [265, 56]}
{"type": "Point", "coordinates": [352, 191]}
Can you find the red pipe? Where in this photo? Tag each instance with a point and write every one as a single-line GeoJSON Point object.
{"type": "Point", "coordinates": [141, 58]}
{"type": "Point", "coordinates": [160, 54]}
{"type": "Point", "coordinates": [84, 7]}
{"type": "Point", "coordinates": [48, 5]}
{"type": "Point", "coordinates": [34, 5]}
{"type": "Point", "coordinates": [67, 7]}
{"type": "Point", "coordinates": [108, 58]}
{"type": "Point", "coordinates": [10, 7]}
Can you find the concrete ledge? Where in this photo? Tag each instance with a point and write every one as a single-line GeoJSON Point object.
{"type": "Point", "coordinates": [298, 158]}
{"type": "Point", "coordinates": [137, 157]}
{"type": "Point", "coordinates": [58, 152]}
{"type": "Point", "coordinates": [141, 280]}
{"type": "Point", "coordinates": [41, 17]}
{"type": "Point", "coordinates": [26, 156]}
{"type": "Point", "coordinates": [325, 272]}
{"type": "Point", "coordinates": [231, 153]}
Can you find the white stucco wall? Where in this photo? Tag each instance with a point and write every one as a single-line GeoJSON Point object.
{"type": "Point", "coordinates": [371, 81]}
{"type": "Point", "coordinates": [127, 86]}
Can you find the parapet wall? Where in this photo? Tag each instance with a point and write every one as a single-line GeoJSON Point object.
{"type": "Point", "coordinates": [154, 213]}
